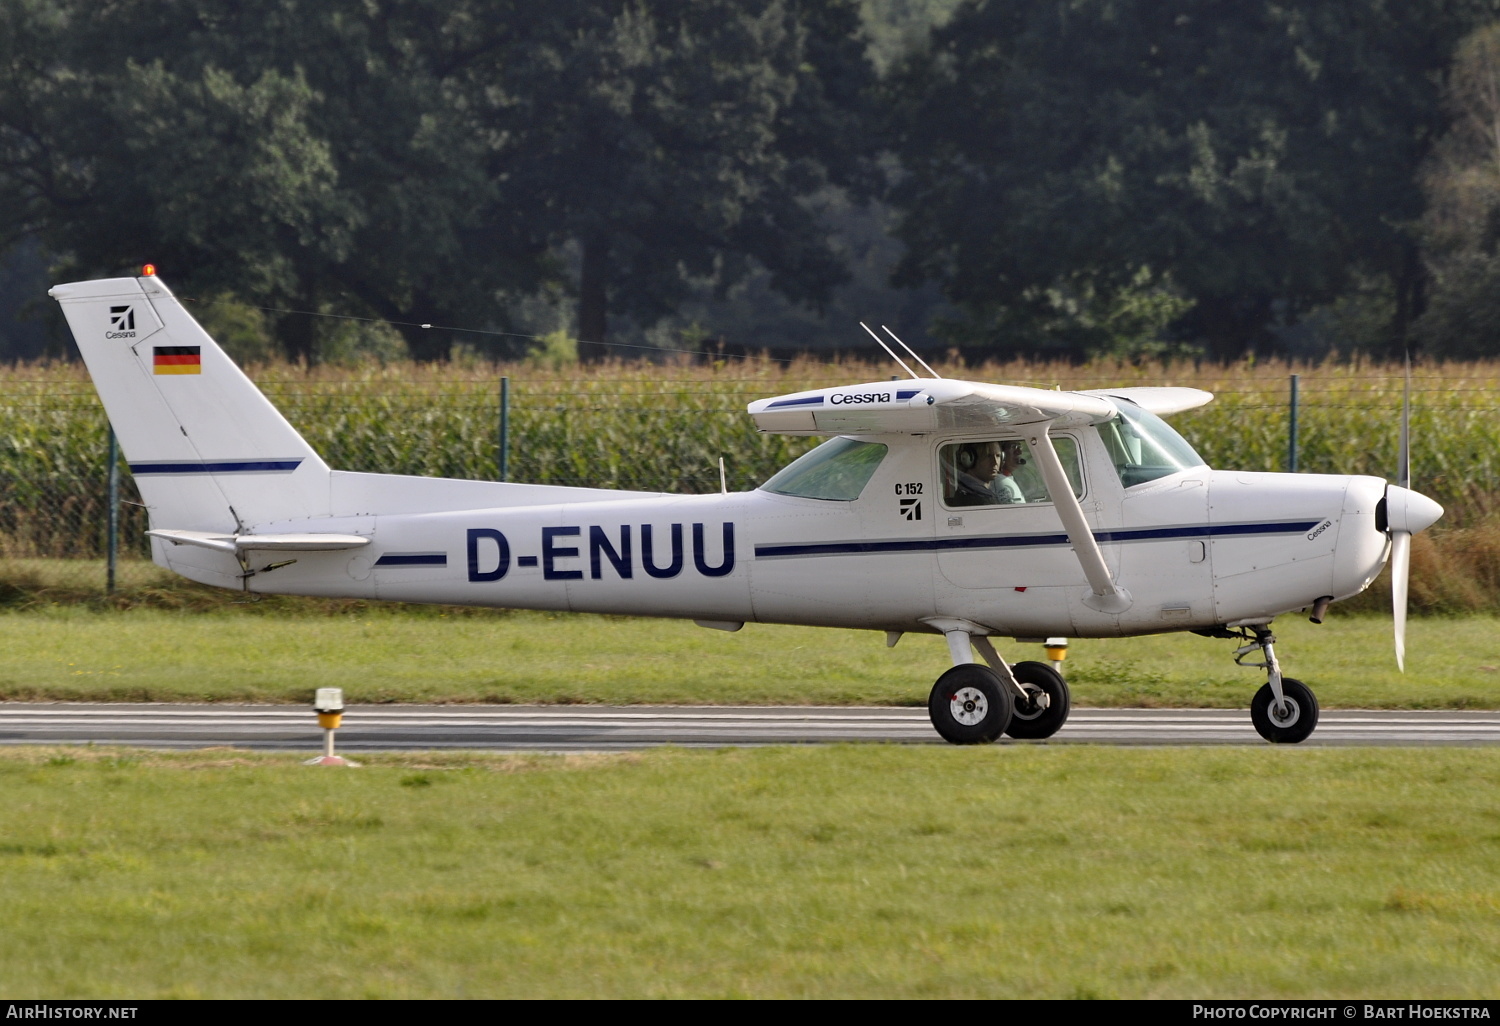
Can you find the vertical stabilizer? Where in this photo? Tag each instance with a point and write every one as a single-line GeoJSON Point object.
{"type": "Point", "coordinates": [208, 451]}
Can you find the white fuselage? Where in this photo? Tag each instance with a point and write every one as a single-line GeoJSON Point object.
{"type": "Point", "coordinates": [899, 523]}
{"type": "Point", "coordinates": [1195, 549]}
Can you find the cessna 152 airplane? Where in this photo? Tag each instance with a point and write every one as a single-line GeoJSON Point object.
{"type": "Point", "coordinates": [966, 509]}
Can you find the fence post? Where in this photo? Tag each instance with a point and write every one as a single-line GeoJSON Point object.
{"type": "Point", "coordinates": [505, 428]}
{"type": "Point", "coordinates": [1291, 433]}
{"type": "Point", "coordinates": [112, 542]}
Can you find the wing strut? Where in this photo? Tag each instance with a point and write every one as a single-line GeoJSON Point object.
{"type": "Point", "coordinates": [1108, 597]}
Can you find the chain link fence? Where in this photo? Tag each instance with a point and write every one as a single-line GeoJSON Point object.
{"type": "Point", "coordinates": [625, 427]}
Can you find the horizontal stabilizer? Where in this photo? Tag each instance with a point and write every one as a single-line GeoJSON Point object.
{"type": "Point", "coordinates": [235, 544]}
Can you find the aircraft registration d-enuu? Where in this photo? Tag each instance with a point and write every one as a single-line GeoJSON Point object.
{"type": "Point", "coordinates": [960, 508]}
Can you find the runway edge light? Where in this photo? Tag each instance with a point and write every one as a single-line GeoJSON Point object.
{"type": "Point", "coordinates": [328, 703]}
{"type": "Point", "coordinates": [1057, 651]}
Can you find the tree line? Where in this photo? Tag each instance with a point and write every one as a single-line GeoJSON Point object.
{"type": "Point", "coordinates": [1055, 177]}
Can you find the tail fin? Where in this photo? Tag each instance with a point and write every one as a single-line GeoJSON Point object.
{"type": "Point", "coordinates": [208, 451]}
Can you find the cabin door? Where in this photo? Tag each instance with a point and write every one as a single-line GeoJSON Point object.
{"type": "Point", "coordinates": [996, 526]}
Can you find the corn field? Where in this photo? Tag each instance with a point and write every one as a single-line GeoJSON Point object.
{"type": "Point", "coordinates": [664, 427]}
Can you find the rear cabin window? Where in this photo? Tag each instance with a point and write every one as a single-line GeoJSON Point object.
{"type": "Point", "coordinates": [1000, 472]}
{"type": "Point", "coordinates": [838, 469]}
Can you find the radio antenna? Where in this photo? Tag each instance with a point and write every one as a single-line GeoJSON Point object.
{"type": "Point", "coordinates": [912, 351]}
{"type": "Point", "coordinates": [890, 351]}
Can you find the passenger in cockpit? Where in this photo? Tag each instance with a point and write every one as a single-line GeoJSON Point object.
{"type": "Point", "coordinates": [986, 474]}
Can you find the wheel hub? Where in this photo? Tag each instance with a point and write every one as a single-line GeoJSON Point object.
{"type": "Point", "coordinates": [1034, 704]}
{"type": "Point", "coordinates": [1285, 714]}
{"type": "Point", "coordinates": [969, 706]}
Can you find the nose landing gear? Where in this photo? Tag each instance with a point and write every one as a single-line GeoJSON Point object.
{"type": "Point", "coordinates": [1284, 710]}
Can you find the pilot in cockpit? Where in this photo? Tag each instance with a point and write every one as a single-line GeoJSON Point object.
{"type": "Point", "coordinates": [984, 474]}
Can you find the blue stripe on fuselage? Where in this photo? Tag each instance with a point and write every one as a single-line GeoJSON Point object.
{"type": "Point", "coordinates": [1018, 541]}
{"type": "Point", "coordinates": [218, 467]}
{"type": "Point", "coordinates": [412, 559]}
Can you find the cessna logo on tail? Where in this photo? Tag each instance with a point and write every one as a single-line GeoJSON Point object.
{"type": "Point", "coordinates": [121, 322]}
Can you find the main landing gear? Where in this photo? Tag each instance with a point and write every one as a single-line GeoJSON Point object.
{"type": "Point", "coordinates": [1284, 710]}
{"type": "Point", "coordinates": [973, 704]}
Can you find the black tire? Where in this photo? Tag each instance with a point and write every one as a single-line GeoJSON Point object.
{"type": "Point", "coordinates": [1027, 721]}
{"type": "Point", "coordinates": [1289, 729]}
{"type": "Point", "coordinates": [969, 705]}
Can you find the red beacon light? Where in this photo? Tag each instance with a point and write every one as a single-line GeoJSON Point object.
{"type": "Point", "coordinates": [149, 270]}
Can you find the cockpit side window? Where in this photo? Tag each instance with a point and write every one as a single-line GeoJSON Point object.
{"type": "Point", "coordinates": [1143, 447]}
{"type": "Point", "coordinates": [1000, 472]}
{"type": "Point", "coordinates": [838, 469]}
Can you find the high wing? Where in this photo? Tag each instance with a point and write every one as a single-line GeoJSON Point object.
{"type": "Point", "coordinates": [1160, 400]}
{"type": "Point", "coordinates": [920, 406]}
{"type": "Point", "coordinates": [925, 405]}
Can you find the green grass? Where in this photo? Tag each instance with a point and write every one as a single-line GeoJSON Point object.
{"type": "Point", "coordinates": [279, 651]}
{"type": "Point", "coordinates": [840, 871]}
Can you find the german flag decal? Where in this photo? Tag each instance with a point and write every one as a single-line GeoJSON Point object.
{"type": "Point", "coordinates": [176, 360]}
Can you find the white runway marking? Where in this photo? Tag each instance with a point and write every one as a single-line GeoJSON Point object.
{"type": "Point", "coordinates": [599, 728]}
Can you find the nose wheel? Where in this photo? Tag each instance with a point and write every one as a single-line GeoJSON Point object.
{"type": "Point", "coordinates": [1289, 721]}
{"type": "Point", "coordinates": [1284, 710]}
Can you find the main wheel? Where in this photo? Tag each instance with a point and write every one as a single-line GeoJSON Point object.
{"type": "Point", "coordinates": [1045, 708]}
{"type": "Point", "coordinates": [1290, 724]}
{"type": "Point", "coordinates": [969, 705]}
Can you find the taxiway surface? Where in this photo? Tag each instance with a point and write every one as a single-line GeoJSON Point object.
{"type": "Point", "coordinates": [606, 728]}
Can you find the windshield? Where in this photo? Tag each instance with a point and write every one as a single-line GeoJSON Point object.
{"type": "Point", "coordinates": [1143, 447]}
{"type": "Point", "coordinates": [838, 469]}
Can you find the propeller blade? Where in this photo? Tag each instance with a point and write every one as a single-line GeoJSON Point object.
{"type": "Point", "coordinates": [1403, 460]}
{"type": "Point", "coordinates": [1401, 535]}
{"type": "Point", "coordinates": [1400, 573]}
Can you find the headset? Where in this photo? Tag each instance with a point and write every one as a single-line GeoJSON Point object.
{"type": "Point", "coordinates": [968, 453]}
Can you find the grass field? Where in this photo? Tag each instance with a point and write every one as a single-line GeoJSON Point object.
{"type": "Point", "coordinates": [842, 871]}
{"type": "Point", "coordinates": [280, 650]}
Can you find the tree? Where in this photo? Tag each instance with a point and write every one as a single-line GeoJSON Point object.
{"type": "Point", "coordinates": [1253, 157]}
{"type": "Point", "coordinates": [1461, 226]}
{"type": "Point", "coordinates": [300, 155]}
{"type": "Point", "coordinates": [424, 161]}
{"type": "Point", "coordinates": [116, 158]}
{"type": "Point", "coordinates": [667, 141]}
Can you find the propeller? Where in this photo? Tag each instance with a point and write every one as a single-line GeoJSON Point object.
{"type": "Point", "coordinates": [1406, 513]}
{"type": "Point", "coordinates": [1401, 540]}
